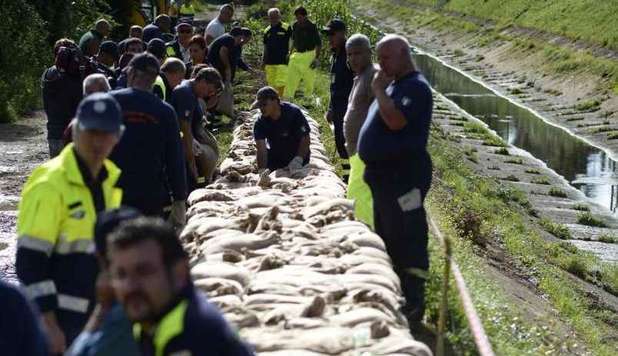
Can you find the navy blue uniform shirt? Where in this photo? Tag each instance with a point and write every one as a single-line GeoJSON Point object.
{"type": "Point", "coordinates": [282, 136]}
{"type": "Point", "coordinates": [277, 44]}
{"type": "Point", "coordinates": [20, 330]}
{"type": "Point", "coordinates": [185, 102]}
{"type": "Point", "coordinates": [341, 81]}
{"type": "Point", "coordinates": [149, 153]}
{"type": "Point", "coordinates": [381, 147]}
{"type": "Point", "coordinates": [226, 40]}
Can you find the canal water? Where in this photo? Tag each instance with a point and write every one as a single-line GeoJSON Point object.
{"type": "Point", "coordinates": [572, 158]}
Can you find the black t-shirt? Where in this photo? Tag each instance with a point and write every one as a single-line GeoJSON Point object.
{"type": "Point", "coordinates": [342, 79]}
{"type": "Point", "coordinates": [227, 41]}
{"type": "Point", "coordinates": [305, 37]}
{"type": "Point", "coordinates": [282, 136]}
{"type": "Point", "coordinates": [277, 44]}
{"type": "Point", "coordinates": [380, 147]}
{"type": "Point", "coordinates": [95, 185]}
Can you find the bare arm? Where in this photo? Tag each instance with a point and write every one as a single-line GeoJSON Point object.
{"type": "Point", "coordinates": [262, 154]}
{"type": "Point", "coordinates": [392, 117]}
{"type": "Point", "coordinates": [303, 147]}
{"type": "Point", "coordinates": [209, 39]}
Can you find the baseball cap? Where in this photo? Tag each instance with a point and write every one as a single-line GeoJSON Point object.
{"type": "Point", "coordinates": [111, 48]}
{"type": "Point", "coordinates": [156, 46]}
{"type": "Point", "coordinates": [99, 111]}
{"type": "Point", "coordinates": [334, 25]}
{"type": "Point", "coordinates": [107, 222]}
{"type": "Point", "coordinates": [236, 31]}
{"type": "Point", "coordinates": [262, 95]}
{"type": "Point", "coordinates": [145, 62]}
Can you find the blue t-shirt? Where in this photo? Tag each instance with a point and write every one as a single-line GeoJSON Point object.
{"type": "Point", "coordinates": [185, 102]}
{"type": "Point", "coordinates": [20, 330]}
{"type": "Point", "coordinates": [381, 147]}
{"type": "Point", "coordinates": [282, 136]}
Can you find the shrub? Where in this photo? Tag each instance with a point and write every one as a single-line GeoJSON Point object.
{"type": "Point", "coordinates": [22, 58]}
{"type": "Point", "coordinates": [558, 230]}
{"type": "Point", "coordinates": [587, 219]}
{"type": "Point", "coordinates": [557, 192]}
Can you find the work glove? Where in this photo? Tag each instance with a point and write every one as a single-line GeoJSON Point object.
{"type": "Point", "coordinates": [314, 64]}
{"type": "Point", "coordinates": [296, 163]}
{"type": "Point", "coordinates": [178, 215]}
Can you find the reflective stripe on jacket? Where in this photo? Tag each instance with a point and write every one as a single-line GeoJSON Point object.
{"type": "Point", "coordinates": [55, 226]}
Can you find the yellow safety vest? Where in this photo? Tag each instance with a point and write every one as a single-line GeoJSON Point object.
{"type": "Point", "coordinates": [56, 211]}
{"type": "Point", "coordinates": [168, 328]}
{"type": "Point", "coordinates": [161, 84]}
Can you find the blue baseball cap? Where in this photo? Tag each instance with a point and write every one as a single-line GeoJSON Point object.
{"type": "Point", "coordinates": [99, 111]}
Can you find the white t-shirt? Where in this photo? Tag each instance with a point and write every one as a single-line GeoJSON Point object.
{"type": "Point", "coordinates": [215, 29]}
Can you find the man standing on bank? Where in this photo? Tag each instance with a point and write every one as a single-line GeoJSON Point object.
{"type": "Point", "coordinates": [60, 203]}
{"type": "Point", "coordinates": [276, 47]}
{"type": "Point", "coordinates": [281, 133]}
{"type": "Point", "coordinates": [306, 48]}
{"type": "Point", "coordinates": [341, 82]}
{"type": "Point", "coordinates": [393, 144]}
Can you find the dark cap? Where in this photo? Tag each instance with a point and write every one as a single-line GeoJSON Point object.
{"type": "Point", "coordinates": [99, 111]}
{"type": "Point", "coordinates": [236, 31]}
{"type": "Point", "coordinates": [145, 62]}
{"type": "Point", "coordinates": [183, 24]}
{"type": "Point", "coordinates": [262, 95]}
{"type": "Point", "coordinates": [335, 25]}
{"type": "Point", "coordinates": [107, 222]}
{"type": "Point", "coordinates": [156, 46]}
{"type": "Point", "coordinates": [246, 32]}
{"type": "Point", "coordinates": [111, 48]}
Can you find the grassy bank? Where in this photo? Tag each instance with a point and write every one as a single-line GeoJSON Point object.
{"type": "Point", "coordinates": [553, 58]}
{"type": "Point", "coordinates": [590, 20]}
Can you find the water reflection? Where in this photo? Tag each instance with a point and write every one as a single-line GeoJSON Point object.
{"type": "Point", "coordinates": [565, 154]}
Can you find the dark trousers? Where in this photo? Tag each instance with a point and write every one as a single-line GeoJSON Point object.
{"type": "Point", "coordinates": [404, 233]}
{"type": "Point", "coordinates": [71, 323]}
{"type": "Point", "coordinates": [339, 137]}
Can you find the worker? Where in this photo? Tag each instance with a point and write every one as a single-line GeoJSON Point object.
{"type": "Point", "coordinates": [150, 152]}
{"type": "Point", "coordinates": [186, 12]}
{"type": "Point", "coordinates": [57, 212]}
{"type": "Point", "coordinates": [305, 54]}
{"type": "Point", "coordinates": [199, 53]}
{"type": "Point", "coordinates": [108, 332]}
{"type": "Point", "coordinates": [136, 31]}
{"type": "Point", "coordinates": [107, 58]}
{"type": "Point", "coordinates": [206, 84]}
{"type": "Point", "coordinates": [90, 41]}
{"type": "Point", "coordinates": [340, 85]}
{"type": "Point", "coordinates": [281, 132]}
{"type": "Point", "coordinates": [245, 37]}
{"type": "Point", "coordinates": [157, 48]}
{"type": "Point", "coordinates": [393, 145]}
{"type": "Point", "coordinates": [222, 55]}
{"type": "Point", "coordinates": [216, 27]}
{"type": "Point", "coordinates": [276, 41]}
{"type": "Point", "coordinates": [150, 275]}
{"type": "Point", "coordinates": [358, 49]}
{"type": "Point", "coordinates": [62, 91]}
{"type": "Point", "coordinates": [21, 332]}
{"type": "Point", "coordinates": [179, 47]}
{"type": "Point", "coordinates": [172, 73]}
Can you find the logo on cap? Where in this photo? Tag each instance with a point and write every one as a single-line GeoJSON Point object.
{"type": "Point", "coordinates": [99, 107]}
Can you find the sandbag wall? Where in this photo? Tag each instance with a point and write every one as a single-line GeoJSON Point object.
{"type": "Point", "coordinates": [280, 254]}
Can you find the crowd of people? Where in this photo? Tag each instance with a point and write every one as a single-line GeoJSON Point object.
{"type": "Point", "coordinates": [130, 134]}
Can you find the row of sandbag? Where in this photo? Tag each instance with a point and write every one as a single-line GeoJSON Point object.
{"type": "Point", "coordinates": [280, 254]}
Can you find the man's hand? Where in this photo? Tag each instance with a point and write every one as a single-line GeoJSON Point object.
{"type": "Point", "coordinates": [178, 215]}
{"type": "Point", "coordinates": [314, 64]}
{"type": "Point", "coordinates": [55, 335]}
{"type": "Point", "coordinates": [296, 163]}
{"type": "Point", "coordinates": [380, 82]}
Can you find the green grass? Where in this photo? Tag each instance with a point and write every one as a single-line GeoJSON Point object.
{"type": "Point", "coordinates": [581, 207]}
{"type": "Point", "coordinates": [612, 135]}
{"type": "Point", "coordinates": [502, 151]}
{"type": "Point", "coordinates": [558, 230]}
{"type": "Point", "coordinates": [488, 209]}
{"type": "Point", "coordinates": [512, 178]}
{"type": "Point", "coordinates": [515, 160]}
{"type": "Point", "coordinates": [607, 238]}
{"type": "Point", "coordinates": [541, 180]}
{"type": "Point", "coordinates": [557, 192]}
{"type": "Point", "coordinates": [532, 171]}
{"type": "Point", "coordinates": [587, 219]}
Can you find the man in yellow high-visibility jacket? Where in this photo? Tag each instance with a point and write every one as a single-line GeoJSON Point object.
{"type": "Point", "coordinates": [58, 209]}
{"type": "Point", "coordinates": [306, 47]}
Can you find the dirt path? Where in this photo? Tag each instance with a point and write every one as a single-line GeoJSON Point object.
{"type": "Point", "coordinates": [23, 146]}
